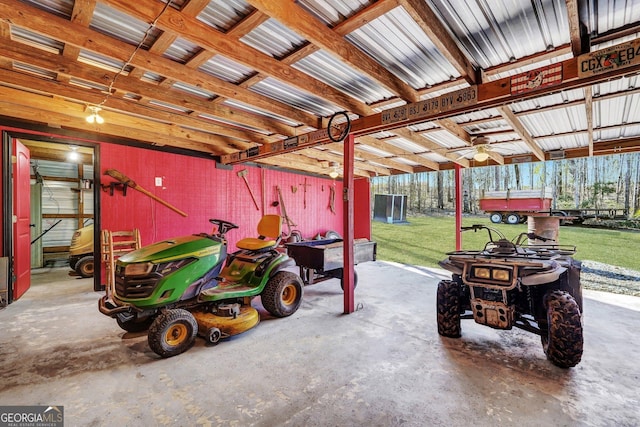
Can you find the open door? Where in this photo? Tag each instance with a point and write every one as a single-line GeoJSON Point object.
{"type": "Point", "coordinates": [21, 219]}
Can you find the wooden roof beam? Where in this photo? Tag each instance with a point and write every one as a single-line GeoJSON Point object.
{"type": "Point", "coordinates": [588, 106]}
{"type": "Point", "coordinates": [519, 128]}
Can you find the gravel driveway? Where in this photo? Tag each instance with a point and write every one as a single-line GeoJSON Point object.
{"type": "Point", "coordinates": [609, 278]}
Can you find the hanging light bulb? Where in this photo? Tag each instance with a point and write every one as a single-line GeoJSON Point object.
{"type": "Point", "coordinates": [481, 154]}
{"type": "Point", "coordinates": [334, 172]}
{"type": "Point", "coordinates": [73, 155]}
{"type": "Point", "coordinates": [93, 116]}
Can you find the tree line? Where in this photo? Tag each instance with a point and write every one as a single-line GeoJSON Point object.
{"type": "Point", "coordinates": [599, 182]}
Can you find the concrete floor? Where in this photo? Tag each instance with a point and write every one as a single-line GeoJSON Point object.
{"type": "Point", "coordinates": [383, 365]}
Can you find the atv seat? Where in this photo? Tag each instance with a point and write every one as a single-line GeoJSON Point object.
{"type": "Point", "coordinates": [270, 226]}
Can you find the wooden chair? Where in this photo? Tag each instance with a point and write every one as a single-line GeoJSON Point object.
{"type": "Point", "coordinates": [114, 245]}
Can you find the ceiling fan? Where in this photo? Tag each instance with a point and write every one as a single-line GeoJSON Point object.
{"type": "Point", "coordinates": [480, 147]}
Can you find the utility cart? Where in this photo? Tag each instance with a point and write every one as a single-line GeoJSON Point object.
{"type": "Point", "coordinates": [323, 259]}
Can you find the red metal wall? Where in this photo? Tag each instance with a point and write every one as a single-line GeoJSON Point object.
{"type": "Point", "coordinates": [196, 187]}
{"type": "Point", "coordinates": [362, 209]}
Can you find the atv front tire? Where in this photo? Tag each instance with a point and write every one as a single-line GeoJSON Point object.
{"type": "Point", "coordinates": [172, 332]}
{"type": "Point", "coordinates": [283, 294]}
{"type": "Point", "coordinates": [562, 340]}
{"type": "Point", "coordinates": [448, 308]}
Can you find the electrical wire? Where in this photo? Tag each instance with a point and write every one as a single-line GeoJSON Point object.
{"type": "Point", "coordinates": [138, 47]}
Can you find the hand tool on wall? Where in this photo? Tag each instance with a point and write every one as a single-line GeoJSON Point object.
{"type": "Point", "coordinates": [283, 210]}
{"type": "Point", "coordinates": [304, 186]}
{"type": "Point", "coordinates": [332, 199]}
{"type": "Point", "coordinates": [243, 174]}
{"type": "Point", "coordinates": [128, 182]}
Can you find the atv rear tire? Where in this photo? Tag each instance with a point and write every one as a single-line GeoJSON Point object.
{"type": "Point", "coordinates": [85, 267]}
{"type": "Point", "coordinates": [283, 294]}
{"type": "Point", "coordinates": [137, 324]}
{"type": "Point", "coordinates": [448, 309]}
{"type": "Point", "coordinates": [562, 340]}
{"type": "Point", "coordinates": [172, 332]}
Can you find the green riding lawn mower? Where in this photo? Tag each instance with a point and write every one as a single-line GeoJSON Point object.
{"type": "Point", "coordinates": [188, 286]}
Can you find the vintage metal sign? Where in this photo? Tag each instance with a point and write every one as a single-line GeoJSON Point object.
{"type": "Point", "coordinates": [432, 107]}
{"type": "Point", "coordinates": [550, 75]}
{"type": "Point", "coordinates": [608, 59]}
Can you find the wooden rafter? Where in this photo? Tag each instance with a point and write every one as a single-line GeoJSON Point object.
{"type": "Point", "coordinates": [588, 106]}
{"type": "Point", "coordinates": [519, 128]}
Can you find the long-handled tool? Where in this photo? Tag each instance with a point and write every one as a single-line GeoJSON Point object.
{"type": "Point", "coordinates": [243, 174]}
{"type": "Point", "coordinates": [287, 220]}
{"type": "Point", "coordinates": [131, 183]}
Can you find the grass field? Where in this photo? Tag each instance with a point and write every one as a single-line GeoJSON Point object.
{"type": "Point", "coordinates": [425, 240]}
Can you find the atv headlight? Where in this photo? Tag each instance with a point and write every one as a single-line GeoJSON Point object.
{"type": "Point", "coordinates": [139, 269]}
{"type": "Point", "coordinates": [502, 275]}
{"type": "Point", "coordinates": [481, 273]}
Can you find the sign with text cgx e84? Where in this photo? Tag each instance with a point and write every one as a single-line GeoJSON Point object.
{"type": "Point", "coordinates": [608, 59]}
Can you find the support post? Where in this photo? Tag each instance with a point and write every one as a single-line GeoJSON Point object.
{"type": "Point", "coordinates": [458, 190]}
{"type": "Point", "coordinates": [348, 212]}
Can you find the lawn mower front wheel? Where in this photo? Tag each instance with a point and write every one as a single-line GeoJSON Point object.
{"type": "Point", "coordinates": [172, 332]}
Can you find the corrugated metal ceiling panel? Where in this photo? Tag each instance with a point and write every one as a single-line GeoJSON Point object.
{"type": "Point", "coordinates": [559, 121]}
{"type": "Point", "coordinates": [274, 39]}
{"type": "Point", "coordinates": [494, 32]}
{"type": "Point", "coordinates": [37, 40]}
{"type": "Point", "coordinates": [621, 110]}
{"type": "Point", "coordinates": [62, 8]}
{"type": "Point", "coordinates": [181, 50]}
{"type": "Point", "coordinates": [224, 14]}
{"type": "Point", "coordinates": [226, 69]}
{"type": "Point", "coordinates": [397, 42]}
{"type": "Point", "coordinates": [123, 27]}
{"type": "Point", "coordinates": [608, 15]}
{"type": "Point", "coordinates": [328, 69]}
{"type": "Point", "coordinates": [291, 96]}
{"type": "Point", "coordinates": [334, 11]}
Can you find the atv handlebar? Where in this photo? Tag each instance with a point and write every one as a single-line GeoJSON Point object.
{"type": "Point", "coordinates": [476, 227]}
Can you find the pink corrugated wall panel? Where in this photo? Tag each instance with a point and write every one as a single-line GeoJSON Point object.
{"type": "Point", "coordinates": [196, 187]}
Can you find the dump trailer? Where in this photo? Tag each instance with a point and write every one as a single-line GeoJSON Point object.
{"type": "Point", "coordinates": [513, 206]}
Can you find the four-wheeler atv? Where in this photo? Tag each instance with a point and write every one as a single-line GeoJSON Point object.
{"type": "Point", "coordinates": [511, 283]}
{"type": "Point", "coordinates": [181, 287]}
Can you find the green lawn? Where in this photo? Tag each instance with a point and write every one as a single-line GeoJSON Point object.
{"type": "Point", "coordinates": [425, 241]}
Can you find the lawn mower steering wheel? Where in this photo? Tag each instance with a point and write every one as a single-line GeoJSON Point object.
{"type": "Point", "coordinates": [223, 226]}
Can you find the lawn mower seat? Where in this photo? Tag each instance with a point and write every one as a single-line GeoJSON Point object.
{"type": "Point", "coordinates": [270, 226]}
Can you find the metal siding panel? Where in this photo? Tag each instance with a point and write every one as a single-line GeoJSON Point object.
{"type": "Point", "coordinates": [123, 27]}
